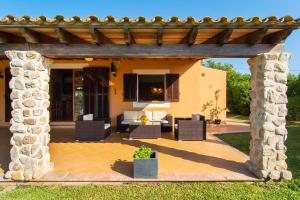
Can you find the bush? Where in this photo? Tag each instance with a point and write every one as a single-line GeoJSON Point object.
{"type": "Point", "coordinates": [142, 152]}
{"type": "Point", "coordinates": [238, 88]}
{"type": "Point", "coordinates": [294, 108]}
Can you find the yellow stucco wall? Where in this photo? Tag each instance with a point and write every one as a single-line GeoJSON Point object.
{"type": "Point", "coordinates": [197, 84]}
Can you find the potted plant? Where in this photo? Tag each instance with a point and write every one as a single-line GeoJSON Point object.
{"type": "Point", "coordinates": [214, 109]}
{"type": "Point", "coordinates": [145, 163]}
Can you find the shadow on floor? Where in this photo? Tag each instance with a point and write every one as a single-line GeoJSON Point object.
{"type": "Point", "coordinates": [123, 167]}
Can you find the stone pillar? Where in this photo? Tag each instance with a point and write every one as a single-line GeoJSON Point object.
{"type": "Point", "coordinates": [268, 111]}
{"type": "Point", "coordinates": [30, 157]}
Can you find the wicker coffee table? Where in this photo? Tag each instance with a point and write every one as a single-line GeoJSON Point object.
{"type": "Point", "coordinates": [151, 130]}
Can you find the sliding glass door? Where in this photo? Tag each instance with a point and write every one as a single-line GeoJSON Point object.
{"type": "Point", "coordinates": [61, 95]}
{"type": "Point", "coordinates": [77, 92]}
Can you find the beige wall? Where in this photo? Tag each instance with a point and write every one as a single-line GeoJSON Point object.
{"type": "Point", "coordinates": [196, 84]}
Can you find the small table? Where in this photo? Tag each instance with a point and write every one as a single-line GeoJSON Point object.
{"type": "Point", "coordinates": [151, 130]}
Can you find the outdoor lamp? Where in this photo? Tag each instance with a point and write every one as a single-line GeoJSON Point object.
{"type": "Point", "coordinates": [113, 69]}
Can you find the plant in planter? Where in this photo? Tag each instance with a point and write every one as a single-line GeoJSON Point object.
{"type": "Point", "coordinates": [145, 163]}
{"type": "Point", "coordinates": [214, 109]}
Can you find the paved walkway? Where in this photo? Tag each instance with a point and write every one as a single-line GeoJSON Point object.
{"type": "Point", "coordinates": [111, 160]}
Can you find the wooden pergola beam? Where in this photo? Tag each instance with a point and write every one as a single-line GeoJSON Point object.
{"type": "Point", "coordinates": [224, 36]}
{"type": "Point", "coordinates": [128, 36]}
{"type": "Point", "coordinates": [221, 38]}
{"type": "Point", "coordinates": [192, 36]}
{"type": "Point", "coordinates": [160, 33]}
{"type": "Point", "coordinates": [66, 37]}
{"type": "Point", "coordinates": [4, 37]}
{"type": "Point", "coordinates": [147, 51]}
{"type": "Point", "coordinates": [257, 36]}
{"type": "Point", "coordinates": [98, 37]}
{"type": "Point", "coordinates": [29, 35]}
{"type": "Point", "coordinates": [277, 37]}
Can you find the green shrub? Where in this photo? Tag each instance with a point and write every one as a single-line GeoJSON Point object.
{"type": "Point", "coordinates": [142, 152]}
{"type": "Point", "coordinates": [294, 108]}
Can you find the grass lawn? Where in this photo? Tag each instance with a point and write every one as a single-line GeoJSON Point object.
{"type": "Point", "coordinates": [269, 190]}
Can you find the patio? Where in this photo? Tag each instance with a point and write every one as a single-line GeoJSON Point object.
{"type": "Point", "coordinates": [111, 160]}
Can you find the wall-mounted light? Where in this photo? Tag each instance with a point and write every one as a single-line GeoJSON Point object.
{"type": "Point", "coordinates": [1, 74]}
{"type": "Point", "coordinates": [89, 59]}
{"type": "Point", "coordinates": [113, 69]}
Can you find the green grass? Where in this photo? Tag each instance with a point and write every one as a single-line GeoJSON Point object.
{"type": "Point", "coordinates": [182, 191]}
{"type": "Point", "coordinates": [238, 118]}
{"type": "Point", "coordinates": [241, 141]}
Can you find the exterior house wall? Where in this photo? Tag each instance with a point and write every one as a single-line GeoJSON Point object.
{"type": "Point", "coordinates": [197, 84]}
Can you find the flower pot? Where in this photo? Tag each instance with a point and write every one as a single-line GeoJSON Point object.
{"type": "Point", "coordinates": [217, 121]}
{"type": "Point", "coordinates": [146, 167]}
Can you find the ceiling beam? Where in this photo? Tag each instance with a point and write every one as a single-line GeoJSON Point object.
{"type": "Point", "coordinates": [29, 35]}
{"type": "Point", "coordinates": [98, 37]}
{"type": "Point", "coordinates": [66, 37]}
{"type": "Point", "coordinates": [4, 37]}
{"type": "Point", "coordinates": [220, 38]}
{"type": "Point", "coordinates": [224, 36]}
{"type": "Point", "coordinates": [192, 36]}
{"type": "Point", "coordinates": [160, 33]}
{"type": "Point", "coordinates": [257, 36]}
{"type": "Point", "coordinates": [128, 36]}
{"type": "Point", "coordinates": [147, 51]}
{"type": "Point", "coordinates": [277, 37]}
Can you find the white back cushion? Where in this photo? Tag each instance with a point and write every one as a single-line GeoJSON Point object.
{"type": "Point", "coordinates": [149, 115]}
{"type": "Point", "coordinates": [159, 115]}
{"type": "Point", "coordinates": [130, 115]}
{"type": "Point", "coordinates": [139, 114]}
{"type": "Point", "coordinates": [88, 117]}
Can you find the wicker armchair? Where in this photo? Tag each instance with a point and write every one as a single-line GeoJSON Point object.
{"type": "Point", "coordinates": [92, 130]}
{"type": "Point", "coordinates": [190, 128]}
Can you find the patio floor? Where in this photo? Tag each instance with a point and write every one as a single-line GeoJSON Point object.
{"type": "Point", "coordinates": [111, 160]}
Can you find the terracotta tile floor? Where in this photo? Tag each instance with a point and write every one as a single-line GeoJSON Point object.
{"type": "Point", "coordinates": [111, 160]}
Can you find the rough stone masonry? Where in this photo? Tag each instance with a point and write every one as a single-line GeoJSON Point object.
{"type": "Point", "coordinates": [268, 111]}
{"type": "Point", "coordinates": [30, 157]}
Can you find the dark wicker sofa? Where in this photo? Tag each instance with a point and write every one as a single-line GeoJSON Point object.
{"type": "Point", "coordinates": [165, 127]}
{"type": "Point", "coordinates": [92, 130]}
{"type": "Point", "coordinates": [190, 128]}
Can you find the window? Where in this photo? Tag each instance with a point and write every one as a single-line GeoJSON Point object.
{"type": "Point", "coordinates": [151, 87]}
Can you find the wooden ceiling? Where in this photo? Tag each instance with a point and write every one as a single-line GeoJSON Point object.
{"type": "Point", "coordinates": [91, 30]}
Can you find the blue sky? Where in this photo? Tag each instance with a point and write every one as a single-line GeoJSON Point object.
{"type": "Point", "coordinates": [166, 8]}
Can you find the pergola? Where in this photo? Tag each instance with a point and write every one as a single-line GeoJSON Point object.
{"type": "Point", "coordinates": [25, 41]}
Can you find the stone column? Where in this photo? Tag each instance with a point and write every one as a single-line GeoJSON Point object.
{"type": "Point", "coordinates": [268, 111]}
{"type": "Point", "coordinates": [30, 157]}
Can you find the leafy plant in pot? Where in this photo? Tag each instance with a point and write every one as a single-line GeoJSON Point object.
{"type": "Point", "coordinates": [145, 163]}
{"type": "Point", "coordinates": [214, 109]}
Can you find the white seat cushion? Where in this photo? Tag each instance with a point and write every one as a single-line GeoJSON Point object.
{"type": "Point", "coordinates": [130, 115]}
{"type": "Point", "coordinates": [106, 126]}
{"type": "Point", "coordinates": [160, 121]}
{"type": "Point", "coordinates": [127, 121]}
{"type": "Point", "coordinates": [159, 115]}
{"type": "Point", "coordinates": [88, 117]}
